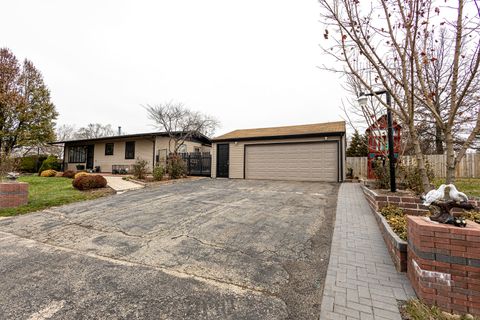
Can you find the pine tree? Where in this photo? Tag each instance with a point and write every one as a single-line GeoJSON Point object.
{"type": "Point", "coordinates": [358, 146]}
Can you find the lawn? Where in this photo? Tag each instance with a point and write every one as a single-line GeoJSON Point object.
{"type": "Point", "coordinates": [470, 186]}
{"type": "Point", "coordinates": [49, 192]}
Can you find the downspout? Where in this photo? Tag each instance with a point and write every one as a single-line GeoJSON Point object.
{"type": "Point", "coordinates": [64, 156]}
{"type": "Point", "coordinates": [153, 156]}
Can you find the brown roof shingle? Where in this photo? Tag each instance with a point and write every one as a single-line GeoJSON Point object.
{"type": "Point", "coordinates": [306, 129]}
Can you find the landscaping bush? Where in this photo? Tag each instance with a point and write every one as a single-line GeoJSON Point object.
{"type": "Point", "coordinates": [7, 164]}
{"type": "Point", "coordinates": [408, 176]}
{"type": "Point", "coordinates": [396, 219]}
{"type": "Point", "coordinates": [30, 164]}
{"type": "Point", "coordinates": [50, 163]}
{"type": "Point", "coordinates": [158, 172]}
{"type": "Point", "coordinates": [176, 167]}
{"type": "Point", "coordinates": [411, 179]}
{"type": "Point", "coordinates": [140, 169]}
{"type": "Point", "coordinates": [48, 173]}
{"type": "Point", "coordinates": [80, 174]}
{"type": "Point", "coordinates": [69, 174]}
{"type": "Point", "coordinates": [87, 182]}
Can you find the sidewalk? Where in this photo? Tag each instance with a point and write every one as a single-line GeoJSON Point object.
{"type": "Point", "coordinates": [361, 281]}
{"type": "Point", "coordinates": [120, 185]}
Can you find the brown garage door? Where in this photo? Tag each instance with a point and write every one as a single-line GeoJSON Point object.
{"type": "Point", "coordinates": [316, 161]}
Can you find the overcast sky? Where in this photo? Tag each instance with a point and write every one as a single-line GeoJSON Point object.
{"type": "Point", "coordinates": [249, 63]}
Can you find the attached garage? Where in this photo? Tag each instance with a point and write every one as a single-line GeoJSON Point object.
{"type": "Point", "coordinates": [313, 152]}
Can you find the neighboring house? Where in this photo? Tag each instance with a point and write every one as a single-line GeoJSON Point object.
{"type": "Point", "coordinates": [110, 154]}
{"type": "Point", "coordinates": [312, 152]}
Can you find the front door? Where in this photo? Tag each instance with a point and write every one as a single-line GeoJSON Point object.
{"type": "Point", "coordinates": [90, 149]}
{"type": "Point", "coordinates": [223, 153]}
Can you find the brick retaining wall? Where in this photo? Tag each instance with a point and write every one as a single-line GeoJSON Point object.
{"type": "Point", "coordinates": [444, 264]}
{"type": "Point", "coordinates": [13, 194]}
{"type": "Point", "coordinates": [397, 248]}
{"type": "Point", "coordinates": [410, 204]}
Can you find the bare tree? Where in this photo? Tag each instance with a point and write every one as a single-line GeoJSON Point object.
{"type": "Point", "coordinates": [94, 130]}
{"type": "Point", "coordinates": [180, 123]}
{"type": "Point", "coordinates": [396, 45]}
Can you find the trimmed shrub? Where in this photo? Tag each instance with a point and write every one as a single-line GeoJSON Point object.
{"type": "Point", "coordinates": [28, 164]}
{"type": "Point", "coordinates": [50, 163]}
{"type": "Point", "coordinates": [158, 172]}
{"type": "Point", "coordinates": [48, 173]}
{"type": "Point", "coordinates": [176, 167]}
{"type": "Point", "coordinates": [87, 182]}
{"type": "Point", "coordinates": [140, 169]}
{"type": "Point", "coordinates": [79, 174]}
{"type": "Point", "coordinates": [69, 174]}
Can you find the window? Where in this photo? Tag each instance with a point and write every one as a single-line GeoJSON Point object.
{"type": "Point", "coordinates": [109, 149]}
{"type": "Point", "coordinates": [76, 154]}
{"type": "Point", "coordinates": [182, 148]}
{"type": "Point", "coordinates": [130, 150]}
{"type": "Point", "coordinates": [197, 149]}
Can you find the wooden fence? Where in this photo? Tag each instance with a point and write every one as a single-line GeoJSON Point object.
{"type": "Point", "coordinates": [469, 167]}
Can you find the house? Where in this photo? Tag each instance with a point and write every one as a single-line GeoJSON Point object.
{"type": "Point", "coordinates": [378, 149]}
{"type": "Point", "coordinates": [312, 152]}
{"type": "Point", "coordinates": [117, 153]}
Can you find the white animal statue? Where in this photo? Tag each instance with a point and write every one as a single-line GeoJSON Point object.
{"type": "Point", "coordinates": [434, 195]}
{"type": "Point", "coordinates": [13, 175]}
{"type": "Point", "coordinates": [456, 195]}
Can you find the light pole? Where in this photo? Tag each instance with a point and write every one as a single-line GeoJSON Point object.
{"type": "Point", "coordinates": [362, 101]}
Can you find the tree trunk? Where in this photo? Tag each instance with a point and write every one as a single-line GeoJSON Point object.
{"type": "Point", "coordinates": [438, 140]}
{"type": "Point", "coordinates": [419, 156]}
{"type": "Point", "coordinates": [450, 156]}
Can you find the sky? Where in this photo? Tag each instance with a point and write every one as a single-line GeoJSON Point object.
{"type": "Point", "coordinates": [248, 63]}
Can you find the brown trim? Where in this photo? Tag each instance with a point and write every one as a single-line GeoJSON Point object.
{"type": "Point", "coordinates": [291, 136]}
{"type": "Point", "coordinates": [339, 153]}
{"type": "Point", "coordinates": [153, 153]}
{"type": "Point", "coordinates": [200, 138]}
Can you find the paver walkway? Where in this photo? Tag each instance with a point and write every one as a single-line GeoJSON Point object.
{"type": "Point", "coordinates": [120, 185]}
{"type": "Point", "coordinates": [361, 281]}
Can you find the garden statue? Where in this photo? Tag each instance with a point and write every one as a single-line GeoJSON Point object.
{"type": "Point", "coordinates": [435, 200]}
{"type": "Point", "coordinates": [13, 176]}
{"type": "Point", "coordinates": [456, 195]}
{"type": "Point", "coordinates": [434, 195]}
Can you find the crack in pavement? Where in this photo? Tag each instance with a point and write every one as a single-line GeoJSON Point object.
{"type": "Point", "coordinates": [218, 246]}
{"type": "Point", "coordinates": [235, 287]}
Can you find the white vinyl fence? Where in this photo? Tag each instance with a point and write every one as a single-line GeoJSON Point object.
{"type": "Point", "coordinates": [469, 167]}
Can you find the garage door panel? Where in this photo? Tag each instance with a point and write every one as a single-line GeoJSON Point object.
{"type": "Point", "coordinates": [292, 161]}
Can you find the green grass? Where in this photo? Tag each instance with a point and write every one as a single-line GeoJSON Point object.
{"type": "Point", "coordinates": [49, 192]}
{"type": "Point", "coordinates": [470, 186]}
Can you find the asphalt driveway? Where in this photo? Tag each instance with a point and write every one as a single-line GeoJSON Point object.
{"type": "Point", "coordinates": [205, 249]}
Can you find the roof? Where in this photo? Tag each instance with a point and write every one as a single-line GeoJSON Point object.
{"type": "Point", "coordinates": [382, 121]}
{"type": "Point", "coordinates": [301, 130]}
{"type": "Point", "coordinates": [199, 137]}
